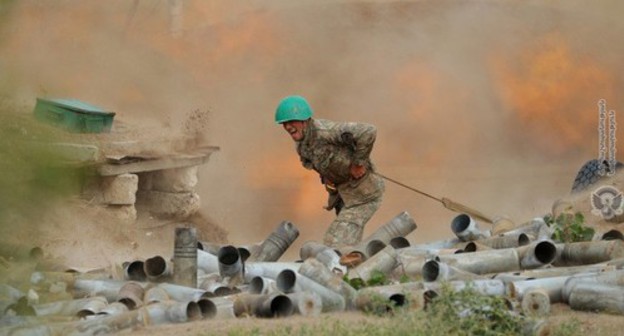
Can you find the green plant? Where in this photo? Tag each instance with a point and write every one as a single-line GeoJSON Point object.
{"type": "Point", "coordinates": [569, 227]}
{"type": "Point", "coordinates": [468, 312]}
{"type": "Point", "coordinates": [377, 278]}
{"type": "Point", "coordinates": [404, 278]}
{"type": "Point", "coordinates": [568, 328]}
{"type": "Point", "coordinates": [452, 313]}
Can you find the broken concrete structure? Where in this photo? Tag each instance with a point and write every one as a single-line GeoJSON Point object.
{"type": "Point", "coordinates": [131, 171]}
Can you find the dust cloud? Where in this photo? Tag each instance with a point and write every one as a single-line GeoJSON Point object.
{"type": "Point", "coordinates": [490, 103]}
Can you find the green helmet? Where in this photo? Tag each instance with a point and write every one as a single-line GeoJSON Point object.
{"type": "Point", "coordinates": [293, 108]}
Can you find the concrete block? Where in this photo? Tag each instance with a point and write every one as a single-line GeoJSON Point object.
{"type": "Point", "coordinates": [175, 180]}
{"type": "Point", "coordinates": [119, 189]}
{"type": "Point", "coordinates": [145, 180]}
{"type": "Point", "coordinates": [167, 204]}
{"type": "Point", "coordinates": [124, 213]}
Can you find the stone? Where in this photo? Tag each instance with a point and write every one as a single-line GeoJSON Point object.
{"type": "Point", "coordinates": [119, 189]}
{"type": "Point", "coordinates": [123, 213]}
{"type": "Point", "coordinates": [174, 180]}
{"type": "Point", "coordinates": [168, 204]}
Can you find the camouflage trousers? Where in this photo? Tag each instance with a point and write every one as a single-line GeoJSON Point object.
{"type": "Point", "coordinates": [348, 227]}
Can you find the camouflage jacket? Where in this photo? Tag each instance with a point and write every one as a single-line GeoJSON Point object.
{"type": "Point", "coordinates": [330, 148]}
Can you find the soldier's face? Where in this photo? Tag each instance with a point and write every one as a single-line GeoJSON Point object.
{"type": "Point", "coordinates": [295, 129]}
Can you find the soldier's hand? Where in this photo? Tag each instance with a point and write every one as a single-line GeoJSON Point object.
{"type": "Point", "coordinates": [357, 171]}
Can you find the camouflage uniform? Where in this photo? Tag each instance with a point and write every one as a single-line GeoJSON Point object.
{"type": "Point", "coordinates": [330, 148]}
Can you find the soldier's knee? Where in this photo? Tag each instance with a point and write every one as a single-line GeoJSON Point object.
{"type": "Point", "coordinates": [343, 234]}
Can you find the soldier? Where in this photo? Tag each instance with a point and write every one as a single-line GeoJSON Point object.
{"type": "Point", "coordinates": [339, 152]}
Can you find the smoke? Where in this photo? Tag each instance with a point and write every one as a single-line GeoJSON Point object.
{"type": "Point", "coordinates": [489, 103]}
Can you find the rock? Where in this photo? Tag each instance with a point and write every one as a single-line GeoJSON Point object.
{"type": "Point", "coordinates": [123, 213]}
{"type": "Point", "coordinates": [171, 180]}
{"type": "Point", "coordinates": [119, 189]}
{"type": "Point", "coordinates": [168, 204]}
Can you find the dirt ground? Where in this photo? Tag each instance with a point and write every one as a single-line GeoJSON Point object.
{"type": "Point", "coordinates": [588, 323]}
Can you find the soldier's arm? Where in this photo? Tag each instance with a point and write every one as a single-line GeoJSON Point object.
{"type": "Point", "coordinates": [361, 137]}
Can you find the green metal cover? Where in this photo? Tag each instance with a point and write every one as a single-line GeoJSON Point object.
{"type": "Point", "coordinates": [77, 105]}
{"type": "Point", "coordinates": [74, 115]}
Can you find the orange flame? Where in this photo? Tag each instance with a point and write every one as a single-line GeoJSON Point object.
{"type": "Point", "coordinates": [310, 195]}
{"type": "Point", "coordinates": [554, 93]}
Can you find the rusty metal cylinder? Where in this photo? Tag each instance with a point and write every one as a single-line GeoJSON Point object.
{"type": "Point", "coordinates": [247, 250]}
{"type": "Point", "coordinates": [185, 260]}
{"type": "Point", "coordinates": [274, 246]}
{"type": "Point", "coordinates": [536, 302]}
{"type": "Point", "coordinates": [399, 242]}
{"type": "Point", "coordinates": [212, 248]}
{"type": "Point", "coordinates": [506, 241]}
{"type": "Point", "coordinates": [262, 285]}
{"type": "Point", "coordinates": [216, 287]}
{"type": "Point", "coordinates": [172, 312]}
{"type": "Point", "coordinates": [108, 324]}
{"type": "Point", "coordinates": [131, 294]}
{"type": "Point", "coordinates": [436, 245]}
{"type": "Point", "coordinates": [306, 303]}
{"type": "Point", "coordinates": [135, 271]}
{"type": "Point", "coordinates": [614, 278]}
{"type": "Point", "coordinates": [311, 248]}
{"type": "Point", "coordinates": [230, 263]}
{"type": "Point", "coordinates": [224, 306]}
{"type": "Point", "coordinates": [586, 253]}
{"type": "Point", "coordinates": [207, 262]}
{"type": "Point", "coordinates": [565, 271]}
{"type": "Point", "coordinates": [467, 229]}
{"type": "Point", "coordinates": [107, 288]}
{"type": "Point", "coordinates": [155, 294]}
{"type": "Point", "coordinates": [588, 296]}
{"type": "Point", "coordinates": [207, 308]}
{"type": "Point", "coordinates": [78, 307]}
{"type": "Point", "coordinates": [263, 305]}
{"type": "Point", "coordinates": [502, 224]}
{"type": "Point", "coordinates": [434, 270]}
{"type": "Point", "coordinates": [289, 281]}
{"type": "Point", "coordinates": [612, 235]}
{"type": "Point", "coordinates": [410, 265]}
{"type": "Point", "coordinates": [325, 254]}
{"type": "Point", "coordinates": [531, 228]}
{"type": "Point", "coordinates": [490, 261]}
{"type": "Point", "coordinates": [399, 226]}
{"type": "Point", "coordinates": [92, 307]}
{"type": "Point", "coordinates": [182, 293]}
{"type": "Point", "coordinates": [268, 269]}
{"type": "Point", "coordinates": [553, 286]}
{"type": "Point", "coordinates": [617, 263]}
{"type": "Point", "coordinates": [114, 308]}
{"type": "Point", "coordinates": [384, 261]}
{"type": "Point", "coordinates": [475, 246]}
{"type": "Point", "coordinates": [537, 254]}
{"type": "Point", "coordinates": [158, 269]}
{"type": "Point", "coordinates": [385, 298]}
{"type": "Point", "coordinates": [14, 294]}
{"type": "Point", "coordinates": [316, 271]}
{"type": "Point", "coordinates": [373, 247]}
